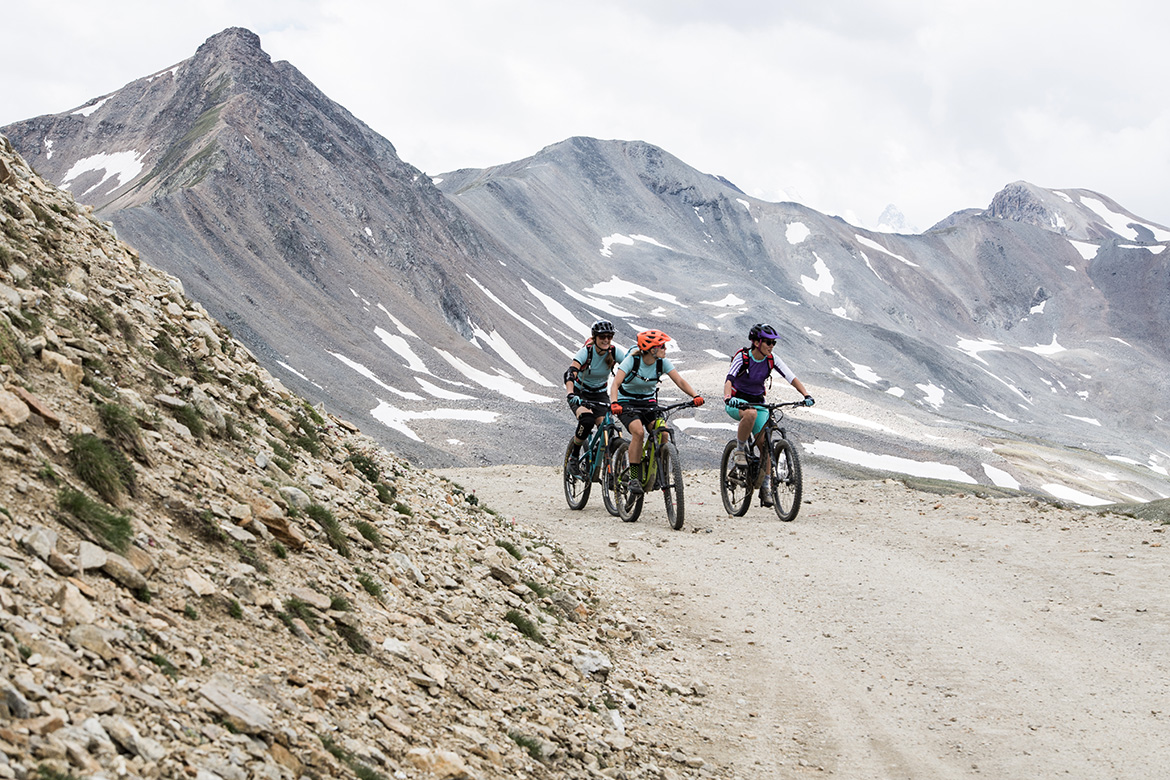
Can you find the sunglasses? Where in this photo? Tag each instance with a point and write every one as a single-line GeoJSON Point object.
{"type": "Point", "coordinates": [604, 337]}
{"type": "Point", "coordinates": [769, 342]}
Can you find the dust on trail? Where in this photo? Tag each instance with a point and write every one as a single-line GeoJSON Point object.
{"type": "Point", "coordinates": [886, 632]}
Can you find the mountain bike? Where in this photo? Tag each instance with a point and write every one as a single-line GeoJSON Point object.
{"type": "Point", "coordinates": [661, 470]}
{"type": "Point", "coordinates": [595, 463]}
{"type": "Point", "coordinates": [737, 483]}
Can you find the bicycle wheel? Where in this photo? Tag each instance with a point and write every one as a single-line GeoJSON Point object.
{"type": "Point", "coordinates": [734, 483]}
{"type": "Point", "coordinates": [576, 486]}
{"type": "Point", "coordinates": [607, 471]}
{"type": "Point", "coordinates": [629, 505]}
{"type": "Point", "coordinates": [786, 479]}
{"type": "Point", "coordinates": [671, 476]}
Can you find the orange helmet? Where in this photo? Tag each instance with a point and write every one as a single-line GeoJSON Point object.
{"type": "Point", "coordinates": [649, 339]}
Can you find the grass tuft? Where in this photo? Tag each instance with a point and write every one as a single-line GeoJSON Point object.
{"type": "Point", "coordinates": [113, 529]}
{"type": "Point", "coordinates": [525, 626]}
{"type": "Point", "coordinates": [102, 467]}
{"type": "Point", "coordinates": [332, 528]}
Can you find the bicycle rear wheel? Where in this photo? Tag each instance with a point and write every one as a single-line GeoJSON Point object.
{"type": "Point", "coordinates": [786, 479]}
{"type": "Point", "coordinates": [629, 505]}
{"type": "Point", "coordinates": [670, 473]}
{"type": "Point", "coordinates": [576, 486]}
{"type": "Point", "coordinates": [607, 475]}
{"type": "Point", "coordinates": [734, 483]}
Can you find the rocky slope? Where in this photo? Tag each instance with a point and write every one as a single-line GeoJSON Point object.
{"type": "Point", "coordinates": [202, 575]}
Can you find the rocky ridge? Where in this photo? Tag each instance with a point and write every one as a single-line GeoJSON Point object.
{"type": "Point", "coordinates": [202, 575]}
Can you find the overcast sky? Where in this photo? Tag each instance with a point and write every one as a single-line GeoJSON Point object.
{"type": "Point", "coordinates": [844, 105]}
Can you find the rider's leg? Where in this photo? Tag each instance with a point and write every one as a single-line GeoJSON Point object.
{"type": "Point", "coordinates": [637, 433]}
{"type": "Point", "coordinates": [747, 422]}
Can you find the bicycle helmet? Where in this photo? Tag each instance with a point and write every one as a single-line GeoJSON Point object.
{"type": "Point", "coordinates": [649, 339]}
{"type": "Point", "coordinates": [762, 331]}
{"type": "Point", "coordinates": [602, 328]}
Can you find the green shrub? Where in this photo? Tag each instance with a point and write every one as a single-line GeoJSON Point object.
{"type": "Point", "coordinates": [235, 610]}
{"type": "Point", "coordinates": [339, 603]}
{"type": "Point", "coordinates": [102, 467]}
{"type": "Point", "coordinates": [366, 467]}
{"type": "Point", "coordinates": [123, 430]}
{"type": "Point", "coordinates": [386, 493]}
{"type": "Point", "coordinates": [524, 625]}
{"type": "Point", "coordinates": [279, 550]}
{"type": "Point", "coordinates": [369, 532]}
{"type": "Point", "coordinates": [324, 518]}
{"type": "Point", "coordinates": [189, 416]}
{"type": "Point", "coordinates": [167, 355]}
{"type": "Point", "coordinates": [165, 666]}
{"type": "Point", "coordinates": [512, 549]}
{"type": "Point", "coordinates": [356, 640]}
{"type": "Point", "coordinates": [403, 509]}
{"type": "Point", "coordinates": [531, 744]}
{"type": "Point", "coordinates": [371, 585]}
{"type": "Point", "coordinates": [301, 609]}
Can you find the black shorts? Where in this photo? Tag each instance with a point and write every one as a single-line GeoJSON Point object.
{"type": "Point", "coordinates": [646, 411]}
{"type": "Point", "coordinates": [597, 399]}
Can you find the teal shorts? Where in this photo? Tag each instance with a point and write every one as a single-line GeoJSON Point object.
{"type": "Point", "coordinates": [761, 418]}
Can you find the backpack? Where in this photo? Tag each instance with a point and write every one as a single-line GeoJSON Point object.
{"type": "Point", "coordinates": [657, 369]}
{"type": "Point", "coordinates": [743, 367]}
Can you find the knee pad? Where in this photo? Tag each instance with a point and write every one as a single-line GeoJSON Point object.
{"type": "Point", "coordinates": [584, 426]}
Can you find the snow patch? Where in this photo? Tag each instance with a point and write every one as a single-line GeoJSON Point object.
{"type": "Point", "coordinates": [796, 232]}
{"type": "Point", "coordinates": [120, 166]}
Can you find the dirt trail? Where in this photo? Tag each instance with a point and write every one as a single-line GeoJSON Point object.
{"type": "Point", "coordinates": [887, 633]}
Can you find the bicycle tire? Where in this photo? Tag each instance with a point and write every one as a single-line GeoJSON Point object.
{"type": "Point", "coordinates": [671, 474]}
{"type": "Point", "coordinates": [629, 504]}
{"type": "Point", "coordinates": [607, 472]}
{"type": "Point", "coordinates": [787, 481]}
{"type": "Point", "coordinates": [734, 483]}
{"type": "Point", "coordinates": [576, 487]}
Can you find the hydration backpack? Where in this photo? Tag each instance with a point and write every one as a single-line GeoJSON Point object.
{"type": "Point", "coordinates": [746, 352]}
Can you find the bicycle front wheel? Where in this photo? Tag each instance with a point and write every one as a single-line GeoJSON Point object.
{"type": "Point", "coordinates": [786, 480]}
{"type": "Point", "coordinates": [629, 505]}
{"type": "Point", "coordinates": [607, 476]}
{"type": "Point", "coordinates": [672, 485]}
{"type": "Point", "coordinates": [734, 483]}
{"type": "Point", "coordinates": [577, 485]}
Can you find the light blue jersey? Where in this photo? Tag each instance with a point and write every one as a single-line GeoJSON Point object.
{"type": "Point", "coordinates": [595, 376]}
{"type": "Point", "coordinates": [641, 380]}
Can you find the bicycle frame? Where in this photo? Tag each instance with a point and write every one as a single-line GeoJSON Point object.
{"type": "Point", "coordinates": [597, 444]}
{"type": "Point", "coordinates": [651, 440]}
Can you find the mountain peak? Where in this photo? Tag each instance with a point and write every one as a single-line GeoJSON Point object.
{"type": "Point", "coordinates": [238, 39]}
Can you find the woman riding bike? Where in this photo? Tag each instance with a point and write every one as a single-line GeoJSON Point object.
{"type": "Point", "coordinates": [744, 386]}
{"type": "Point", "coordinates": [634, 393]}
{"type": "Point", "coordinates": [587, 382]}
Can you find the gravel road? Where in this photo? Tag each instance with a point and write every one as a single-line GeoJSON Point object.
{"type": "Point", "coordinates": [886, 633]}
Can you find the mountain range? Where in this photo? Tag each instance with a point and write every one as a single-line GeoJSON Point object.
{"type": "Point", "coordinates": [1022, 345]}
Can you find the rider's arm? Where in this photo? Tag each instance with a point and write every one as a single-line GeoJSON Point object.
{"type": "Point", "coordinates": [728, 388]}
{"type": "Point", "coordinates": [616, 384]}
{"type": "Point", "coordinates": [570, 377]}
{"type": "Point", "coordinates": [683, 384]}
{"type": "Point", "coordinates": [799, 387]}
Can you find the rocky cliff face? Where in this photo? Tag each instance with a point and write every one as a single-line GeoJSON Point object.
{"type": "Point", "coordinates": [203, 575]}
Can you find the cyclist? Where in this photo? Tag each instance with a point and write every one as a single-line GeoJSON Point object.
{"type": "Point", "coordinates": [587, 380]}
{"type": "Point", "coordinates": [744, 386]}
{"type": "Point", "coordinates": [634, 393]}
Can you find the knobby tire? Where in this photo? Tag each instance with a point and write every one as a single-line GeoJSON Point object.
{"type": "Point", "coordinates": [787, 484]}
{"type": "Point", "coordinates": [576, 486]}
{"type": "Point", "coordinates": [629, 504]}
{"type": "Point", "coordinates": [734, 483]}
{"type": "Point", "coordinates": [607, 476]}
{"type": "Point", "coordinates": [671, 475]}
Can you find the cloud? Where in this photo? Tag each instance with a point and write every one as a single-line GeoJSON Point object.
{"type": "Point", "coordinates": [853, 105]}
